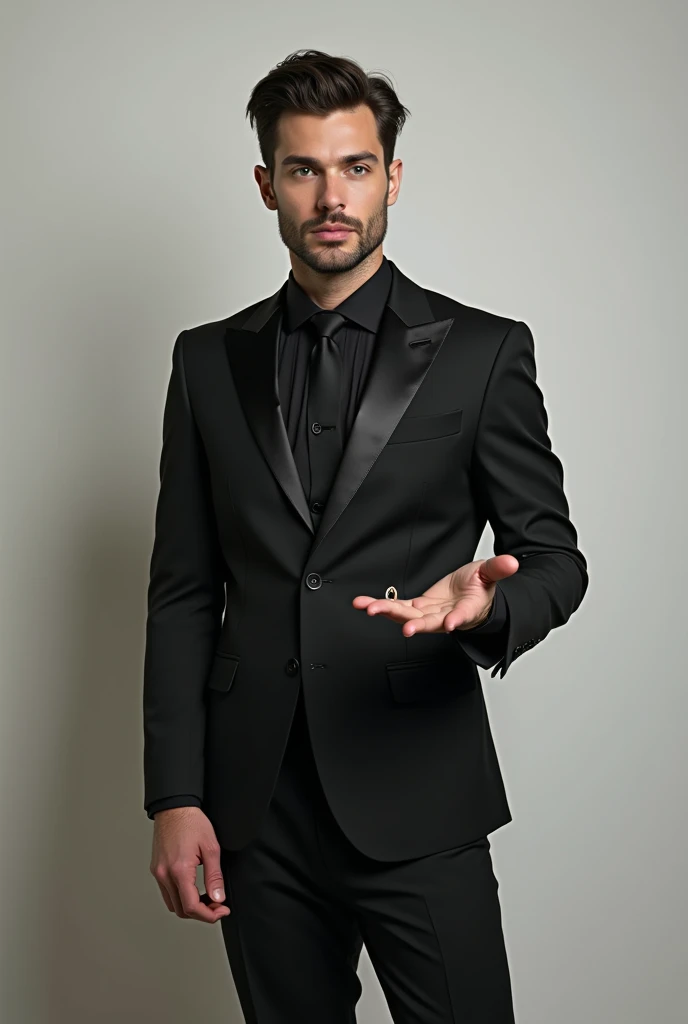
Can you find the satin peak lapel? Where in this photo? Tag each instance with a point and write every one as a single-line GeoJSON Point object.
{"type": "Point", "coordinates": [407, 343]}
{"type": "Point", "coordinates": [252, 351]}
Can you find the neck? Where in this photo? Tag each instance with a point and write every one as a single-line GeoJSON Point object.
{"type": "Point", "coordinates": [328, 290]}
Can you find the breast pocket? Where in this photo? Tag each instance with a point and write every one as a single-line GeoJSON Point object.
{"type": "Point", "coordinates": [423, 428]}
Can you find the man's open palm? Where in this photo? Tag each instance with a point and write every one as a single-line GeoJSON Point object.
{"type": "Point", "coordinates": [460, 600]}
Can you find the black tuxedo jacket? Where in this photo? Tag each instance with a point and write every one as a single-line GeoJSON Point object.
{"type": "Point", "coordinates": [247, 602]}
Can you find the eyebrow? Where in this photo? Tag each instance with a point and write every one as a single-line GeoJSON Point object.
{"type": "Point", "coordinates": [310, 161]}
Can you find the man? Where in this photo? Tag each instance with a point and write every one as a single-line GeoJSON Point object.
{"type": "Point", "coordinates": [315, 728]}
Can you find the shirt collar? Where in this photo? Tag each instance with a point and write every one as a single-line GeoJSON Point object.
{"type": "Point", "coordinates": [364, 306]}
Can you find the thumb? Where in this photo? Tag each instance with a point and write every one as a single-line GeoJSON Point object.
{"type": "Point", "coordinates": [497, 568]}
{"type": "Point", "coordinates": [212, 876]}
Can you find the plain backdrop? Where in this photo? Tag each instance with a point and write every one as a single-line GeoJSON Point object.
{"type": "Point", "coordinates": [544, 179]}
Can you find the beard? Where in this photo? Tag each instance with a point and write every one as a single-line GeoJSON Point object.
{"type": "Point", "coordinates": [333, 258]}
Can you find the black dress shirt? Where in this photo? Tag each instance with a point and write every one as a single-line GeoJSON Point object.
{"type": "Point", "coordinates": [356, 340]}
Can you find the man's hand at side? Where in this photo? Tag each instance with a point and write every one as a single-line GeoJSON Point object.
{"type": "Point", "coordinates": [460, 600]}
{"type": "Point", "coordinates": [183, 838]}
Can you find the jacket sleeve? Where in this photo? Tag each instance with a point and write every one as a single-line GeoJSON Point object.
{"type": "Point", "coordinates": [184, 800]}
{"type": "Point", "coordinates": [186, 598]}
{"type": "Point", "coordinates": [519, 483]}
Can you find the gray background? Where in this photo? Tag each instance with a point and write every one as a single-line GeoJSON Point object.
{"type": "Point", "coordinates": [544, 179]}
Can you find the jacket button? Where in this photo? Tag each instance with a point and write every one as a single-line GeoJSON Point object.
{"type": "Point", "coordinates": [317, 506]}
{"type": "Point", "coordinates": [313, 581]}
{"type": "Point", "coordinates": [292, 667]}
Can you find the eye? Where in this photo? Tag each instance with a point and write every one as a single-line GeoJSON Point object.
{"type": "Point", "coordinates": [295, 173]}
{"type": "Point", "coordinates": [362, 168]}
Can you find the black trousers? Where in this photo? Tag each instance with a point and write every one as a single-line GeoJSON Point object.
{"type": "Point", "coordinates": [304, 900]}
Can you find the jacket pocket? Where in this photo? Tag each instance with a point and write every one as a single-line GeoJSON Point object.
{"type": "Point", "coordinates": [422, 428]}
{"type": "Point", "coordinates": [429, 681]}
{"type": "Point", "coordinates": [222, 671]}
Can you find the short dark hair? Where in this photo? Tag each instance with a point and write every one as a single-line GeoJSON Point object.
{"type": "Point", "coordinates": [314, 82]}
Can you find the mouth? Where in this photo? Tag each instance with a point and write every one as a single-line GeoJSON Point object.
{"type": "Point", "coordinates": [334, 234]}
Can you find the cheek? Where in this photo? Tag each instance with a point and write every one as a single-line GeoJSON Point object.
{"type": "Point", "coordinates": [290, 219]}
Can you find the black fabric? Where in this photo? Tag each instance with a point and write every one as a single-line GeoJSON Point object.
{"type": "Point", "coordinates": [324, 420]}
{"type": "Point", "coordinates": [363, 310]}
{"type": "Point", "coordinates": [355, 339]}
{"type": "Point", "coordinates": [360, 833]}
{"type": "Point", "coordinates": [303, 901]}
{"type": "Point", "coordinates": [380, 834]}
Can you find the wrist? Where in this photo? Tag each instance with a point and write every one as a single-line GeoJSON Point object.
{"type": "Point", "coordinates": [483, 618]}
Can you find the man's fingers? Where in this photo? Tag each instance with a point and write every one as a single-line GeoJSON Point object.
{"type": "Point", "coordinates": [399, 610]}
{"type": "Point", "coordinates": [205, 898]}
{"type": "Point", "coordinates": [405, 611]}
{"type": "Point", "coordinates": [212, 873]}
{"type": "Point", "coordinates": [498, 567]}
{"type": "Point", "coordinates": [166, 897]}
{"type": "Point", "coordinates": [170, 887]}
{"type": "Point", "coordinates": [191, 900]}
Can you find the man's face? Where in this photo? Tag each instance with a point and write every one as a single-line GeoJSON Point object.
{"type": "Point", "coordinates": [330, 173]}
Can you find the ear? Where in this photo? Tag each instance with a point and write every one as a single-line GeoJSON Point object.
{"type": "Point", "coordinates": [262, 176]}
{"type": "Point", "coordinates": [396, 170]}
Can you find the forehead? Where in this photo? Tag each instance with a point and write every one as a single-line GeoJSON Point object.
{"type": "Point", "coordinates": [327, 136]}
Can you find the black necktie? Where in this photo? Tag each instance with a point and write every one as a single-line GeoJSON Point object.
{"type": "Point", "coordinates": [324, 417]}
